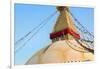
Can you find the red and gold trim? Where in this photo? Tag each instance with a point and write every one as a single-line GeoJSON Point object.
{"type": "Point", "coordinates": [64, 32]}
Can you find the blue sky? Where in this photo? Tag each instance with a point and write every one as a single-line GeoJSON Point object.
{"type": "Point", "coordinates": [28, 16]}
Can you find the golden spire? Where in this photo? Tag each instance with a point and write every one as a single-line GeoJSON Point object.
{"type": "Point", "coordinates": [64, 21]}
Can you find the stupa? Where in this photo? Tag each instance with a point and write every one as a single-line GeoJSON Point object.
{"type": "Point", "coordinates": [64, 48]}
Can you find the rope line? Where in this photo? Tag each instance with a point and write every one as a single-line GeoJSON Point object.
{"type": "Point", "coordinates": [83, 45]}
{"type": "Point", "coordinates": [74, 48]}
{"type": "Point", "coordinates": [90, 50]}
{"type": "Point", "coordinates": [86, 44]}
{"type": "Point", "coordinates": [77, 21]}
{"type": "Point", "coordinates": [34, 28]}
{"type": "Point", "coordinates": [35, 33]}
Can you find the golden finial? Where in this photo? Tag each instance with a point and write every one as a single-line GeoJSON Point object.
{"type": "Point", "coordinates": [62, 8]}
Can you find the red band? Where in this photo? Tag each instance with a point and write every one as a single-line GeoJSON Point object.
{"type": "Point", "coordinates": [64, 31]}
